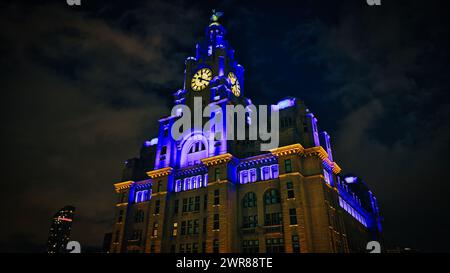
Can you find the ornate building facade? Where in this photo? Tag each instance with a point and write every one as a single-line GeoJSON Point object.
{"type": "Point", "coordinates": [213, 195]}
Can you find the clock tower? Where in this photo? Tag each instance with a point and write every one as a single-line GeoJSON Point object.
{"type": "Point", "coordinates": [204, 193]}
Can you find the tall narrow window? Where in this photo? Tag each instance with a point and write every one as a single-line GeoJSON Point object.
{"type": "Point", "coordinates": [216, 223]}
{"type": "Point", "coordinates": [195, 248]}
{"type": "Point", "coordinates": [155, 230]}
{"type": "Point", "coordinates": [157, 203]}
{"type": "Point", "coordinates": [244, 176]}
{"type": "Point", "coordinates": [274, 171]}
{"type": "Point", "coordinates": [197, 203]}
{"type": "Point", "coordinates": [189, 227]}
{"type": "Point", "coordinates": [184, 204]}
{"type": "Point", "coordinates": [293, 216]}
{"type": "Point", "coordinates": [252, 175]}
{"type": "Point", "coordinates": [175, 229]}
{"type": "Point", "coordinates": [178, 185]}
{"type": "Point", "coordinates": [204, 225]}
{"type": "Point", "coordinates": [183, 228]}
{"type": "Point", "coordinates": [265, 173]}
{"type": "Point", "coordinates": [190, 204]}
{"type": "Point", "coordinates": [175, 208]}
{"type": "Point", "coordinates": [288, 165]}
{"type": "Point", "coordinates": [120, 218]}
{"type": "Point", "coordinates": [216, 174]}
{"type": "Point", "coordinates": [290, 189]}
{"type": "Point", "coordinates": [295, 244]}
{"type": "Point", "coordinates": [216, 197]}
{"type": "Point", "coordinates": [216, 246]}
{"type": "Point", "coordinates": [163, 150]}
{"type": "Point", "coordinates": [205, 202]}
{"type": "Point", "coordinates": [196, 224]}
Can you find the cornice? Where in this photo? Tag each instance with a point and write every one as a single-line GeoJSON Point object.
{"type": "Point", "coordinates": [218, 159]}
{"type": "Point", "coordinates": [159, 172]}
{"type": "Point", "coordinates": [288, 150]}
{"type": "Point", "coordinates": [123, 185]}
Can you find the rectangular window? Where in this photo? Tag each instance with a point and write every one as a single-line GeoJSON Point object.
{"type": "Point", "coordinates": [189, 227]}
{"type": "Point", "coordinates": [290, 189]}
{"type": "Point", "coordinates": [205, 202]}
{"type": "Point", "coordinates": [275, 245]}
{"type": "Point", "coordinates": [164, 150]}
{"type": "Point", "coordinates": [175, 208]}
{"type": "Point", "coordinates": [184, 204]}
{"type": "Point", "coordinates": [183, 228]}
{"type": "Point", "coordinates": [295, 244]}
{"type": "Point", "coordinates": [157, 203]}
{"type": "Point", "coordinates": [195, 248]}
{"type": "Point", "coordinates": [287, 165]}
{"type": "Point", "coordinates": [204, 225]}
{"type": "Point", "coordinates": [190, 204]}
{"type": "Point", "coordinates": [265, 173]}
{"type": "Point", "coordinates": [293, 216]}
{"type": "Point", "coordinates": [216, 222]}
{"type": "Point", "coordinates": [272, 219]}
{"type": "Point", "coordinates": [175, 229]}
{"type": "Point", "coordinates": [250, 246]}
{"type": "Point", "coordinates": [196, 224]}
{"type": "Point", "coordinates": [274, 171]}
{"type": "Point", "coordinates": [188, 248]}
{"type": "Point", "coordinates": [197, 203]}
{"type": "Point", "coordinates": [120, 218]}
{"type": "Point", "coordinates": [216, 174]}
{"type": "Point", "coordinates": [252, 175]}
{"type": "Point", "coordinates": [178, 185]}
{"type": "Point", "coordinates": [216, 197]}
{"type": "Point", "coordinates": [244, 177]}
{"type": "Point", "coordinates": [155, 230]}
{"type": "Point", "coordinates": [181, 248]}
{"type": "Point", "coordinates": [216, 246]}
{"type": "Point", "coordinates": [250, 221]}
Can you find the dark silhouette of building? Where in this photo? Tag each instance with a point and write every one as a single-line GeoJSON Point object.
{"type": "Point", "coordinates": [107, 239]}
{"type": "Point", "coordinates": [60, 229]}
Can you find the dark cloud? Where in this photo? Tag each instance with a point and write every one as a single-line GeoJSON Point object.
{"type": "Point", "coordinates": [83, 88]}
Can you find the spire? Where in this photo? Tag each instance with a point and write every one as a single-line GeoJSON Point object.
{"type": "Point", "coordinates": [214, 20]}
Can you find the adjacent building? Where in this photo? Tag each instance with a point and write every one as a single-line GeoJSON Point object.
{"type": "Point", "coordinates": [59, 234]}
{"type": "Point", "coordinates": [213, 195]}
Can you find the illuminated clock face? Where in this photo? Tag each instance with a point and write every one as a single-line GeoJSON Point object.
{"type": "Point", "coordinates": [235, 87]}
{"type": "Point", "coordinates": [201, 79]}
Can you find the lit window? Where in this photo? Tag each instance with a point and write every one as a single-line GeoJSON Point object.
{"type": "Point", "coordinates": [175, 229]}
{"type": "Point", "coordinates": [265, 173]}
{"type": "Point", "coordinates": [178, 185]}
{"type": "Point", "coordinates": [244, 176]}
{"type": "Point", "coordinates": [252, 174]}
{"type": "Point", "coordinates": [274, 171]}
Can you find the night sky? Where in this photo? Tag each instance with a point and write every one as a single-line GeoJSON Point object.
{"type": "Point", "coordinates": [83, 87]}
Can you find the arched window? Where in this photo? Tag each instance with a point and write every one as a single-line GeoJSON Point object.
{"type": "Point", "coordinates": [249, 200]}
{"type": "Point", "coordinates": [271, 196]}
{"type": "Point", "coordinates": [197, 147]}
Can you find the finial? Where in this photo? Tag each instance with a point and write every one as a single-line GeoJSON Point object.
{"type": "Point", "coordinates": [215, 16]}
